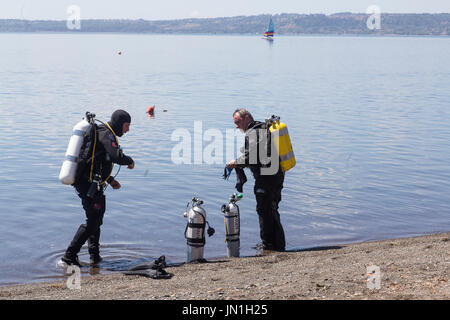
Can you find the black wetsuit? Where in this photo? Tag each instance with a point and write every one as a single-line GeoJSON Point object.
{"type": "Point", "coordinates": [107, 152]}
{"type": "Point", "coordinates": [267, 187]}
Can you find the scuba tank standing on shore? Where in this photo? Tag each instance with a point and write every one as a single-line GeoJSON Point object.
{"type": "Point", "coordinates": [195, 230]}
{"type": "Point", "coordinates": [232, 225]}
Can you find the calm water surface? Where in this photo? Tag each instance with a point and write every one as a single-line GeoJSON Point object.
{"type": "Point", "coordinates": [368, 118]}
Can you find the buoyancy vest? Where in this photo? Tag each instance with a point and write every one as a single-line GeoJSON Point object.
{"type": "Point", "coordinates": [93, 158]}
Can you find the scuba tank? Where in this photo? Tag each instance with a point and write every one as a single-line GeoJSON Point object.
{"type": "Point", "coordinates": [232, 225]}
{"type": "Point", "coordinates": [195, 230]}
{"type": "Point", "coordinates": [282, 142]}
{"type": "Point", "coordinates": [69, 167]}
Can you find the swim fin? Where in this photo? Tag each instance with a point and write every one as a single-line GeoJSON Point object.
{"type": "Point", "coordinates": [152, 270]}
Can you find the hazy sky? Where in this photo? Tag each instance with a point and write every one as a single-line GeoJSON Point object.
{"type": "Point", "coordinates": [175, 9]}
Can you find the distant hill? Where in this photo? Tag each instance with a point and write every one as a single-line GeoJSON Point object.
{"type": "Point", "coordinates": [339, 23]}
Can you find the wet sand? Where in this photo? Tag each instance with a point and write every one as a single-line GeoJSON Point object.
{"type": "Point", "coordinates": [409, 268]}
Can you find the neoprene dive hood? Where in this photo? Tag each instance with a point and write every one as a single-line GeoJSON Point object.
{"type": "Point", "coordinates": [118, 118]}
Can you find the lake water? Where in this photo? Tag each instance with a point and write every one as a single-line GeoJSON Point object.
{"type": "Point", "coordinates": [369, 120]}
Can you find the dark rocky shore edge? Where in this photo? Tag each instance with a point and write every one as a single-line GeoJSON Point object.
{"type": "Point", "coordinates": [408, 269]}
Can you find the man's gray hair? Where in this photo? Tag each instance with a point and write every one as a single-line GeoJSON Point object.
{"type": "Point", "coordinates": [243, 112]}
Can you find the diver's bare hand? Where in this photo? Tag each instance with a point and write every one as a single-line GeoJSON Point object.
{"type": "Point", "coordinates": [231, 164]}
{"type": "Point", "coordinates": [115, 184]}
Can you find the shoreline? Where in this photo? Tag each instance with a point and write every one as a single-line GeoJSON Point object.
{"type": "Point", "coordinates": [409, 269]}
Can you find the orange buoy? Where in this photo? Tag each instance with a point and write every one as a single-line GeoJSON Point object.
{"type": "Point", "coordinates": [150, 111]}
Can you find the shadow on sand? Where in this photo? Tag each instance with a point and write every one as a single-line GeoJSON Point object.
{"type": "Point", "coordinates": [324, 248]}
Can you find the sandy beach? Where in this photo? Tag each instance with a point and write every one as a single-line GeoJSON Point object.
{"type": "Point", "coordinates": [408, 268]}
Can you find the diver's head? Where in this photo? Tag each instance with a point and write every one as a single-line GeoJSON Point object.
{"type": "Point", "coordinates": [242, 118]}
{"type": "Point", "coordinates": [120, 122]}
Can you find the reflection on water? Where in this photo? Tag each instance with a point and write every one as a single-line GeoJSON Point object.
{"type": "Point", "coordinates": [368, 119]}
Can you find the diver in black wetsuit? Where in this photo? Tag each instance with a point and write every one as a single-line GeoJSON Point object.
{"type": "Point", "coordinates": [267, 187]}
{"type": "Point", "coordinates": [103, 147]}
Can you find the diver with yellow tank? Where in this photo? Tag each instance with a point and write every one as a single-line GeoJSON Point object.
{"type": "Point", "coordinates": [268, 167]}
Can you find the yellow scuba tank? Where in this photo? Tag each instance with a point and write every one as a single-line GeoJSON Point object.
{"type": "Point", "coordinates": [282, 143]}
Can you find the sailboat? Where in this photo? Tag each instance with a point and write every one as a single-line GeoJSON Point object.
{"type": "Point", "coordinates": [270, 31]}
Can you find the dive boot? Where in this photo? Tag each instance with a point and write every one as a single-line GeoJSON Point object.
{"type": "Point", "coordinates": [71, 261]}
{"type": "Point", "coordinates": [95, 259]}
